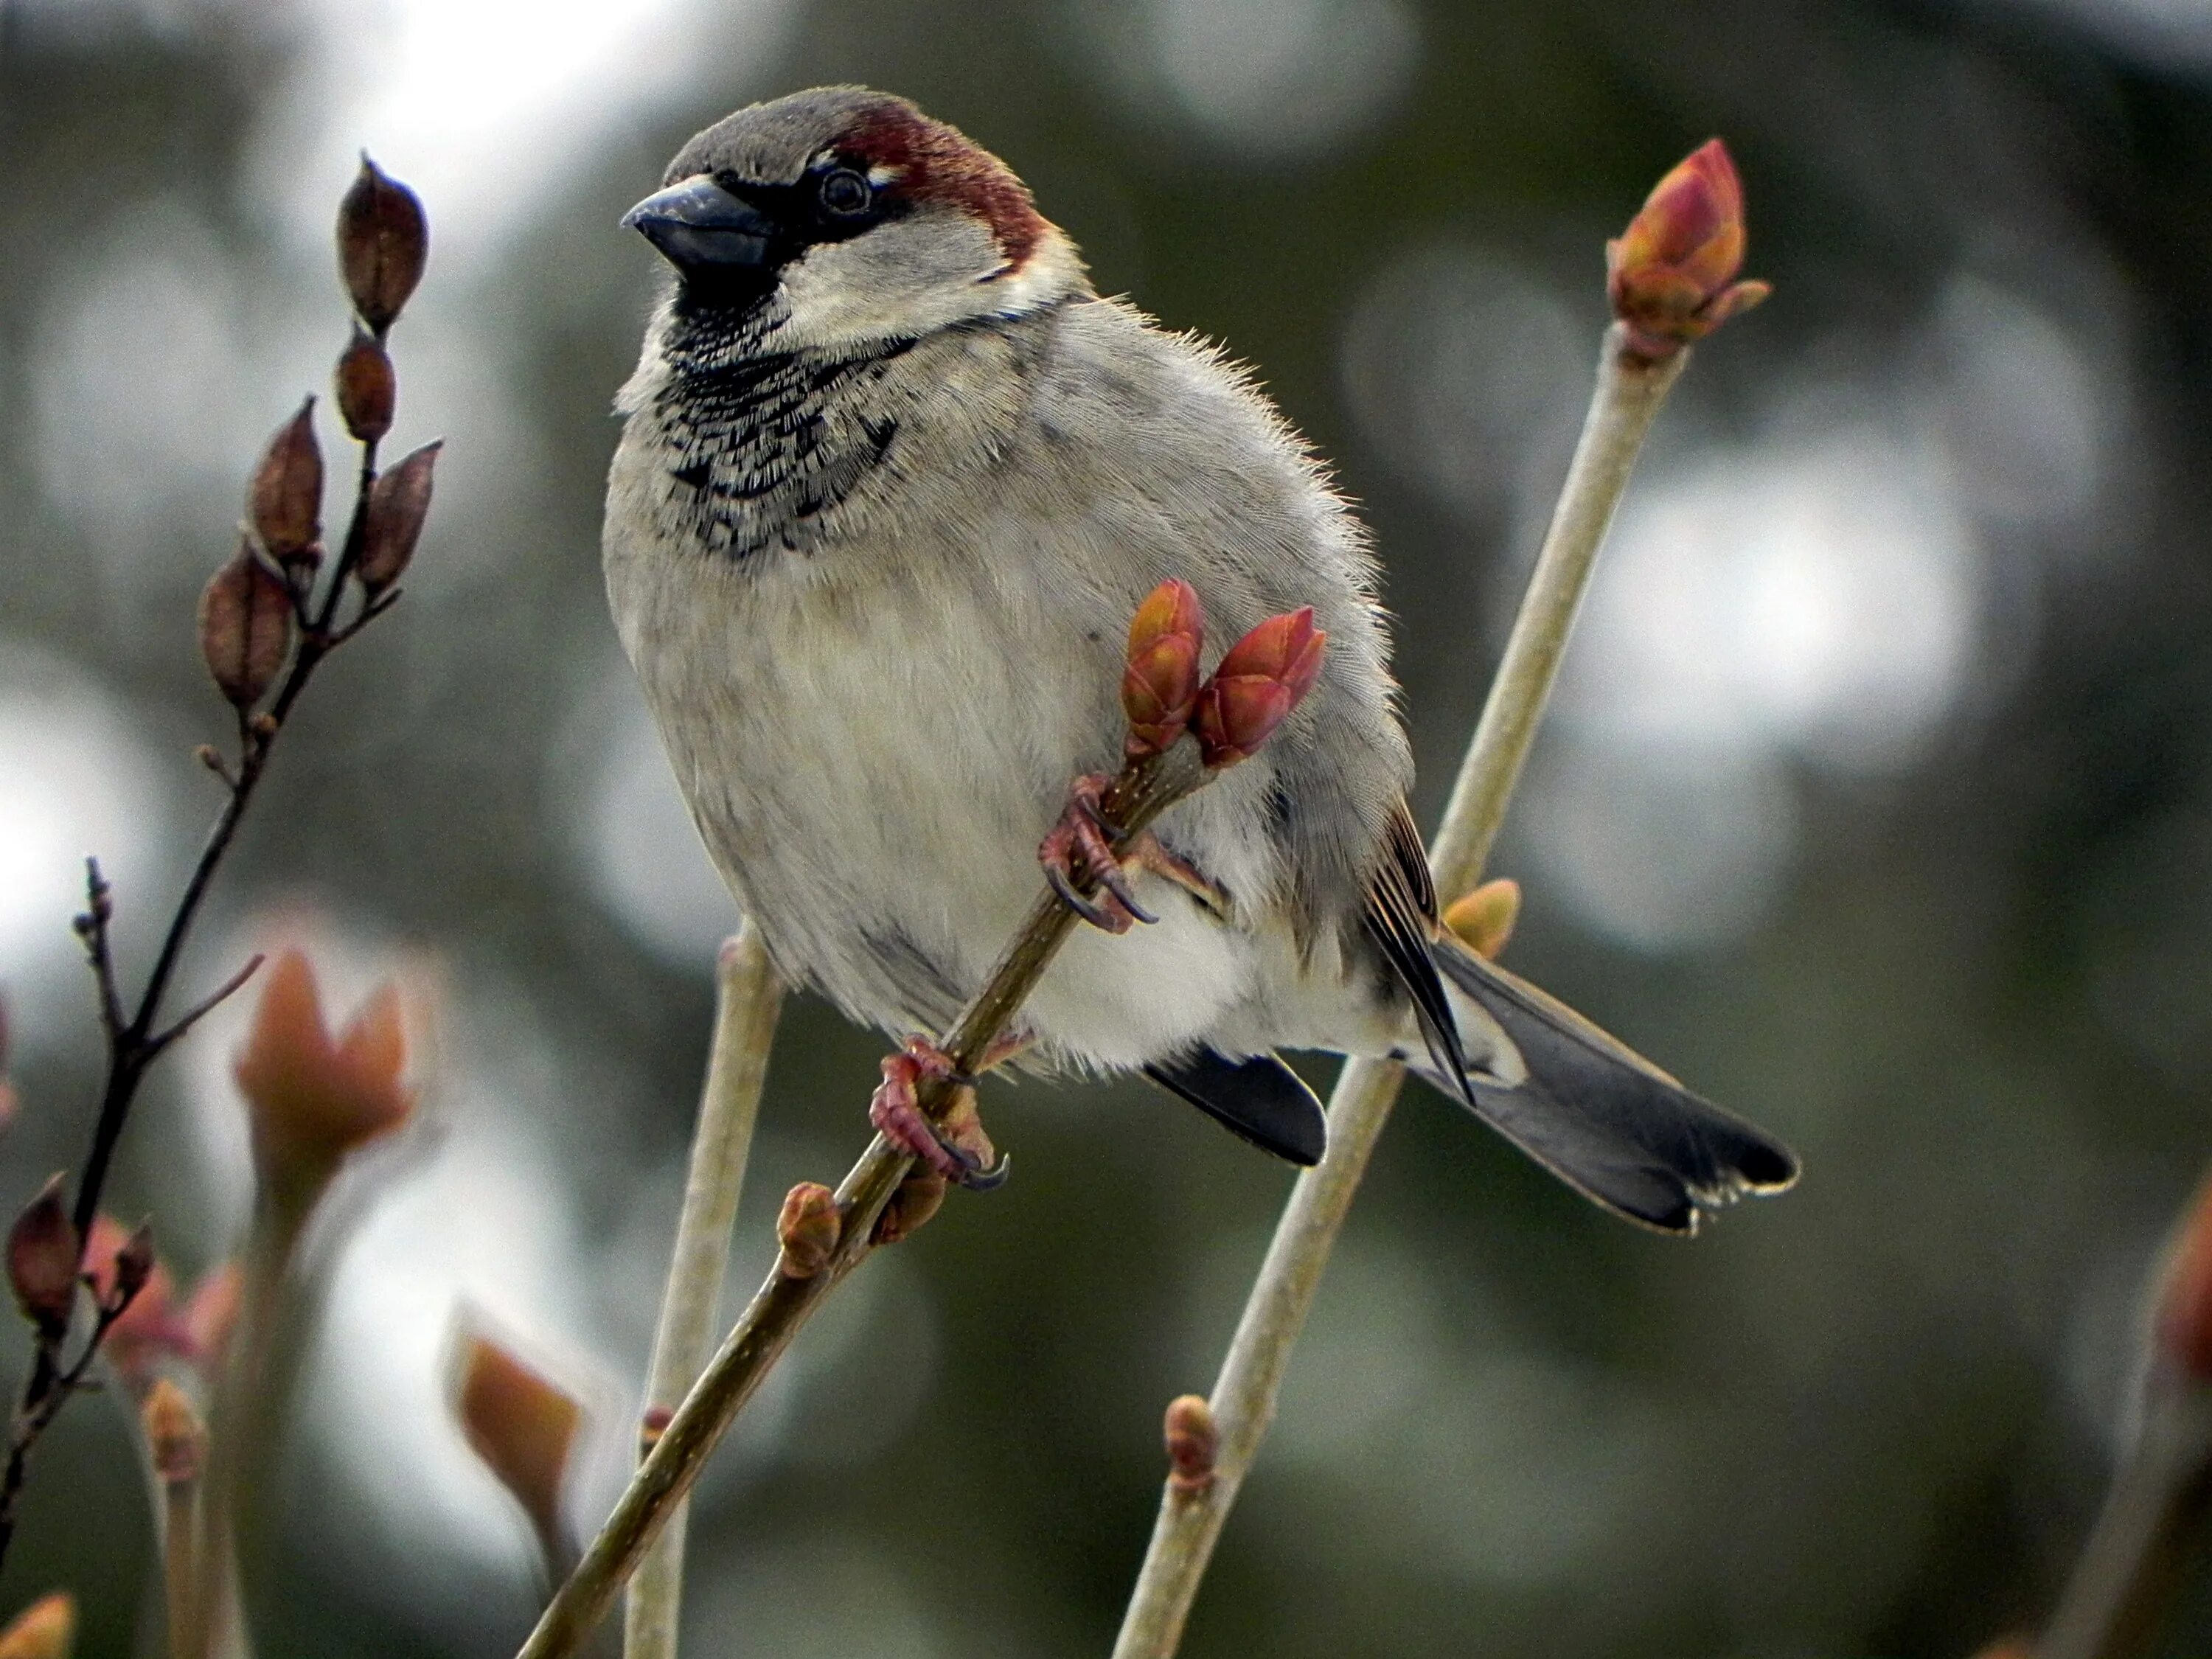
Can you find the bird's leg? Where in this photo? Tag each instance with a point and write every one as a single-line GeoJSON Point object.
{"type": "Point", "coordinates": [1146, 851]}
{"type": "Point", "coordinates": [1082, 844]}
{"type": "Point", "coordinates": [957, 1150]}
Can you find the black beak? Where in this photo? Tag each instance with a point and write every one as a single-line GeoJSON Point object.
{"type": "Point", "coordinates": [702, 229]}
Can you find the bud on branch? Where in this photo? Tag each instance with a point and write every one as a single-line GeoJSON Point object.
{"type": "Point", "coordinates": [1160, 685]}
{"type": "Point", "coordinates": [1254, 688]}
{"type": "Point", "coordinates": [1484, 919]}
{"type": "Point", "coordinates": [1194, 1442]}
{"type": "Point", "coordinates": [523, 1427]}
{"type": "Point", "coordinates": [807, 1230]}
{"type": "Point", "coordinates": [44, 1629]}
{"type": "Point", "coordinates": [1671, 276]}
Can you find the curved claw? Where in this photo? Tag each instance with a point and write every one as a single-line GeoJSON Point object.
{"type": "Point", "coordinates": [990, 1180]}
{"type": "Point", "coordinates": [1090, 909]}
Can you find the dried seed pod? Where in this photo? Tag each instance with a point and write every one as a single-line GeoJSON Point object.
{"type": "Point", "coordinates": [284, 503]}
{"type": "Point", "coordinates": [134, 1265]}
{"type": "Point", "coordinates": [42, 1261]}
{"type": "Point", "coordinates": [398, 502]}
{"type": "Point", "coordinates": [245, 627]}
{"type": "Point", "coordinates": [367, 389]}
{"type": "Point", "coordinates": [383, 241]}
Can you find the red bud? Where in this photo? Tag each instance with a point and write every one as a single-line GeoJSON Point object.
{"type": "Point", "coordinates": [368, 388]}
{"type": "Point", "coordinates": [1671, 276]}
{"type": "Point", "coordinates": [383, 241]}
{"type": "Point", "coordinates": [398, 502]}
{"type": "Point", "coordinates": [807, 1230]}
{"type": "Point", "coordinates": [284, 503]}
{"type": "Point", "coordinates": [1159, 686]}
{"type": "Point", "coordinates": [134, 1266]}
{"type": "Point", "coordinates": [1254, 688]}
{"type": "Point", "coordinates": [42, 1261]}
{"type": "Point", "coordinates": [521, 1424]}
{"type": "Point", "coordinates": [1194, 1442]}
{"type": "Point", "coordinates": [245, 627]}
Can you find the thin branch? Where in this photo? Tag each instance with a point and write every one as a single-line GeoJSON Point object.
{"type": "Point", "coordinates": [207, 1004]}
{"type": "Point", "coordinates": [1629, 393]}
{"type": "Point", "coordinates": [747, 1000]}
{"type": "Point", "coordinates": [784, 1302]}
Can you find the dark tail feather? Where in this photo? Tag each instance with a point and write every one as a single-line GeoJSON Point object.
{"type": "Point", "coordinates": [1604, 1119]}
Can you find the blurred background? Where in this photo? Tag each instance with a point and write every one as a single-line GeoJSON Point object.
{"type": "Point", "coordinates": [1877, 803]}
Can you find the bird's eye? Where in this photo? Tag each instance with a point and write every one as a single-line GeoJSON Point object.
{"type": "Point", "coordinates": [845, 192]}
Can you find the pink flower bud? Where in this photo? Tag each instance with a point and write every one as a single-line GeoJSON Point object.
{"type": "Point", "coordinates": [521, 1424]}
{"type": "Point", "coordinates": [118, 1260]}
{"type": "Point", "coordinates": [245, 627]}
{"type": "Point", "coordinates": [1159, 686]}
{"type": "Point", "coordinates": [367, 389]}
{"type": "Point", "coordinates": [383, 241]}
{"type": "Point", "coordinates": [807, 1230]}
{"type": "Point", "coordinates": [1671, 276]}
{"type": "Point", "coordinates": [1194, 1442]}
{"type": "Point", "coordinates": [311, 1100]}
{"type": "Point", "coordinates": [1255, 688]}
{"type": "Point", "coordinates": [42, 1261]}
{"type": "Point", "coordinates": [284, 502]}
{"type": "Point", "coordinates": [398, 502]}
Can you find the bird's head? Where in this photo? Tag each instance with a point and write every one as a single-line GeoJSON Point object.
{"type": "Point", "coordinates": [840, 217]}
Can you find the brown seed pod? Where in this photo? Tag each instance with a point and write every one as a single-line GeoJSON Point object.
{"type": "Point", "coordinates": [367, 389]}
{"type": "Point", "coordinates": [284, 502]}
{"type": "Point", "coordinates": [383, 240]}
{"type": "Point", "coordinates": [245, 627]}
{"type": "Point", "coordinates": [398, 502]}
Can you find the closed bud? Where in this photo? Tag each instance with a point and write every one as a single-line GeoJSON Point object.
{"type": "Point", "coordinates": [176, 1439]}
{"type": "Point", "coordinates": [42, 1261]}
{"type": "Point", "coordinates": [807, 1230]}
{"type": "Point", "coordinates": [44, 1629]}
{"type": "Point", "coordinates": [398, 502]}
{"type": "Point", "coordinates": [917, 1199]}
{"type": "Point", "coordinates": [1194, 1441]}
{"type": "Point", "coordinates": [383, 241]}
{"type": "Point", "coordinates": [245, 627]}
{"type": "Point", "coordinates": [367, 389]}
{"type": "Point", "coordinates": [522, 1425]}
{"type": "Point", "coordinates": [310, 1098]}
{"type": "Point", "coordinates": [1159, 684]}
{"type": "Point", "coordinates": [1484, 919]}
{"type": "Point", "coordinates": [1671, 275]}
{"type": "Point", "coordinates": [1254, 688]}
{"type": "Point", "coordinates": [284, 502]}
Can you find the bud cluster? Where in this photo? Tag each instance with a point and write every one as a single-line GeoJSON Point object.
{"type": "Point", "coordinates": [1236, 709]}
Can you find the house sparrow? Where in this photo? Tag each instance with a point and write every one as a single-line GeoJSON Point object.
{"type": "Point", "coordinates": [892, 480]}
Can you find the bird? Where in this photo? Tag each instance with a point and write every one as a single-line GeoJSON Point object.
{"type": "Point", "coordinates": [891, 479]}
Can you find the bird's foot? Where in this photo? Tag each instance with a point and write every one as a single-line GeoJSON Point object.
{"type": "Point", "coordinates": [958, 1149]}
{"type": "Point", "coordinates": [1146, 852]}
{"type": "Point", "coordinates": [1080, 846]}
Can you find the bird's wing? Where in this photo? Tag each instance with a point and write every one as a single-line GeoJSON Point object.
{"type": "Point", "coordinates": [1260, 1099]}
{"type": "Point", "coordinates": [1400, 917]}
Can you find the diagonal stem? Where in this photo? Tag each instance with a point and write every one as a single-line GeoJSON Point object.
{"type": "Point", "coordinates": [1627, 397]}
{"type": "Point", "coordinates": [748, 997]}
{"type": "Point", "coordinates": [1144, 790]}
